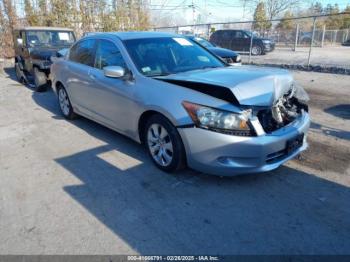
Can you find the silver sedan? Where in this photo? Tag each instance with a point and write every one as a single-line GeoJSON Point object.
{"type": "Point", "coordinates": [183, 103]}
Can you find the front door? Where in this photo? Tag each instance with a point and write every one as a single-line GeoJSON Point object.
{"type": "Point", "coordinates": [112, 100]}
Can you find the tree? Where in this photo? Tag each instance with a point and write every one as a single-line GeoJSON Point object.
{"type": "Point", "coordinates": [316, 8]}
{"type": "Point", "coordinates": [275, 8]}
{"type": "Point", "coordinates": [10, 12]}
{"type": "Point", "coordinates": [346, 18]}
{"type": "Point", "coordinates": [2, 34]}
{"type": "Point", "coordinates": [31, 17]}
{"type": "Point", "coordinates": [43, 14]}
{"type": "Point", "coordinates": [286, 22]}
{"type": "Point", "coordinates": [335, 21]}
{"type": "Point", "coordinates": [10, 23]}
{"type": "Point", "coordinates": [81, 15]}
{"type": "Point", "coordinates": [260, 18]}
{"type": "Point", "coordinates": [60, 13]}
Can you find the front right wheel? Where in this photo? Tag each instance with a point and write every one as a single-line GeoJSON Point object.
{"type": "Point", "coordinates": [164, 144]}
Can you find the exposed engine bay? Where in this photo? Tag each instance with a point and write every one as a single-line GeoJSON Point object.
{"type": "Point", "coordinates": [285, 110]}
{"type": "Point", "coordinates": [280, 108]}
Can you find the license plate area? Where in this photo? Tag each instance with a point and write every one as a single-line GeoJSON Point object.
{"type": "Point", "coordinates": [294, 143]}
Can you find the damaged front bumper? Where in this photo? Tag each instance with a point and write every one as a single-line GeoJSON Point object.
{"type": "Point", "coordinates": [227, 155]}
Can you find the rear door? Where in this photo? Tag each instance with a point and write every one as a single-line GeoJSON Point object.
{"type": "Point", "coordinates": [79, 83]}
{"type": "Point", "coordinates": [238, 41]}
{"type": "Point", "coordinates": [227, 39]}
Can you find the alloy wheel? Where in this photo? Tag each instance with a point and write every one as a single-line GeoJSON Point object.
{"type": "Point", "coordinates": [256, 50]}
{"type": "Point", "coordinates": [64, 102]}
{"type": "Point", "coordinates": [160, 145]}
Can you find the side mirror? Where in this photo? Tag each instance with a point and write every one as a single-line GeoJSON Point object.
{"type": "Point", "coordinates": [114, 71]}
{"type": "Point", "coordinates": [19, 41]}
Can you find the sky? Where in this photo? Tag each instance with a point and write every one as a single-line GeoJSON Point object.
{"type": "Point", "coordinates": [214, 10]}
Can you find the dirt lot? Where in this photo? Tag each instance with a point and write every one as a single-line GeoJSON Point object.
{"type": "Point", "coordinates": [337, 56]}
{"type": "Point", "coordinates": [79, 188]}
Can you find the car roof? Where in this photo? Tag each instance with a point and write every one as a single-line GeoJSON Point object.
{"type": "Point", "coordinates": [131, 35]}
{"type": "Point", "coordinates": [30, 28]}
{"type": "Point", "coordinates": [230, 30]}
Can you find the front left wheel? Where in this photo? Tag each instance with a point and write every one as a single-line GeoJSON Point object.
{"type": "Point", "coordinates": [164, 144]}
{"type": "Point", "coordinates": [19, 73]}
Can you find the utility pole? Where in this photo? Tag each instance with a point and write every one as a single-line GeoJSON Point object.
{"type": "Point", "coordinates": [244, 5]}
{"type": "Point", "coordinates": [312, 41]}
{"type": "Point", "coordinates": [193, 12]}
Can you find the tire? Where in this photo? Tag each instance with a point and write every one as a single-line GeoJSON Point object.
{"type": "Point", "coordinates": [40, 80]}
{"type": "Point", "coordinates": [164, 144]}
{"type": "Point", "coordinates": [257, 50]}
{"type": "Point", "coordinates": [19, 73]}
{"type": "Point", "coordinates": [65, 104]}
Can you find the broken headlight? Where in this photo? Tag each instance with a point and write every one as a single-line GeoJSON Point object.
{"type": "Point", "coordinates": [219, 120]}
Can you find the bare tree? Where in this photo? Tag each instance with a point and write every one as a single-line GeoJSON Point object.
{"type": "Point", "coordinates": [2, 35]}
{"type": "Point", "coordinates": [10, 12]}
{"type": "Point", "coordinates": [31, 17]}
{"type": "Point", "coordinates": [275, 8]}
{"type": "Point", "coordinates": [9, 17]}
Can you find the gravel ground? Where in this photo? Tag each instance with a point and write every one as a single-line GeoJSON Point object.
{"type": "Point", "coordinates": [334, 56]}
{"type": "Point", "coordinates": [79, 188]}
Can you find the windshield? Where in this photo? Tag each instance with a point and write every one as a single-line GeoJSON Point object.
{"type": "Point", "coordinates": [203, 42]}
{"type": "Point", "coordinates": [169, 55]}
{"type": "Point", "coordinates": [50, 38]}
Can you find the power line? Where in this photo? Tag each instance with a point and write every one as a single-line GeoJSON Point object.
{"type": "Point", "coordinates": [252, 21]}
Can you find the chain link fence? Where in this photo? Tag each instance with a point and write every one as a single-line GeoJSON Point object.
{"type": "Point", "coordinates": [299, 42]}
{"type": "Point", "coordinates": [307, 42]}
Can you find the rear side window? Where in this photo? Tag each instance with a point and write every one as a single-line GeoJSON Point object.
{"type": "Point", "coordinates": [239, 34]}
{"type": "Point", "coordinates": [107, 54]}
{"type": "Point", "coordinates": [226, 35]}
{"type": "Point", "coordinates": [83, 52]}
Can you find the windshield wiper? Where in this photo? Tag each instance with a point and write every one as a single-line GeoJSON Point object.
{"type": "Point", "coordinates": [206, 67]}
{"type": "Point", "coordinates": [161, 74]}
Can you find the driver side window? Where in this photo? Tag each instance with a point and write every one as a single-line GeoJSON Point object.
{"type": "Point", "coordinates": [107, 54]}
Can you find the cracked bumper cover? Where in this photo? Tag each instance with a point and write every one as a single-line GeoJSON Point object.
{"type": "Point", "coordinates": [227, 155]}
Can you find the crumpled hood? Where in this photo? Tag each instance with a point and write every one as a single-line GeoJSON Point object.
{"type": "Point", "coordinates": [251, 85]}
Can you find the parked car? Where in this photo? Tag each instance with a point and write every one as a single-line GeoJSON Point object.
{"type": "Point", "coordinates": [34, 47]}
{"type": "Point", "coordinates": [239, 40]}
{"type": "Point", "coordinates": [183, 103]}
{"type": "Point", "coordinates": [227, 55]}
{"type": "Point", "coordinates": [346, 43]}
